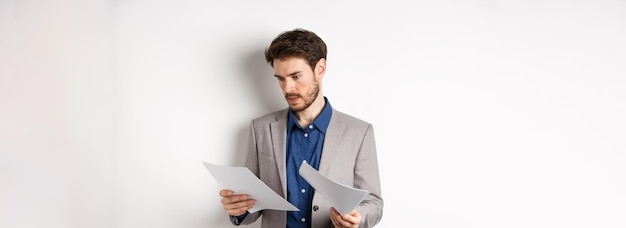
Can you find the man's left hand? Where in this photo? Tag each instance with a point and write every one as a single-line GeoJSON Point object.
{"type": "Point", "coordinates": [351, 220]}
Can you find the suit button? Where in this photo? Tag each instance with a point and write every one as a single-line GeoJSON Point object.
{"type": "Point", "coordinates": [315, 208]}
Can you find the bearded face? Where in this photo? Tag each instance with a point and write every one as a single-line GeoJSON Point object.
{"type": "Point", "coordinates": [299, 102]}
{"type": "Point", "coordinates": [299, 83]}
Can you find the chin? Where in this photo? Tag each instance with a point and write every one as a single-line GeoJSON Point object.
{"type": "Point", "coordinates": [296, 108]}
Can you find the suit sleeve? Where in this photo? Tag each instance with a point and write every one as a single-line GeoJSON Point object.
{"type": "Point", "coordinates": [366, 176]}
{"type": "Point", "coordinates": [252, 162]}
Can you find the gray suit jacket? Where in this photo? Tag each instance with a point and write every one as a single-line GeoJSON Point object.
{"type": "Point", "coordinates": [348, 157]}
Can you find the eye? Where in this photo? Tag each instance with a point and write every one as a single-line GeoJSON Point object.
{"type": "Point", "coordinates": [280, 79]}
{"type": "Point", "coordinates": [296, 77]}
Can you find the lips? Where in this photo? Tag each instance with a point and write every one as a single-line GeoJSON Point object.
{"type": "Point", "coordinates": [292, 99]}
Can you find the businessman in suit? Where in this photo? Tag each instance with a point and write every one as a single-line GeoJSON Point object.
{"type": "Point", "coordinates": [310, 130]}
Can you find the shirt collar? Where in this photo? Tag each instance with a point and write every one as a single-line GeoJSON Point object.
{"type": "Point", "coordinates": [321, 122]}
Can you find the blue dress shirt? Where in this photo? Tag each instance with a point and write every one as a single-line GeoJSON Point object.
{"type": "Point", "coordinates": [303, 144]}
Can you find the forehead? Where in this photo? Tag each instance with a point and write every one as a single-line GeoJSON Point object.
{"type": "Point", "coordinates": [287, 66]}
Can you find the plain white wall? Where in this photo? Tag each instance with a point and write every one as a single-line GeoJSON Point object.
{"type": "Point", "coordinates": [487, 113]}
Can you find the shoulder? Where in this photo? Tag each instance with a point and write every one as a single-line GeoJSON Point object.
{"type": "Point", "coordinates": [271, 117]}
{"type": "Point", "coordinates": [347, 119]}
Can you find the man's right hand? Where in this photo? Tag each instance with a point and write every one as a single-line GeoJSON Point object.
{"type": "Point", "coordinates": [235, 205]}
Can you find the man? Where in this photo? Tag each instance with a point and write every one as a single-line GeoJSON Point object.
{"type": "Point", "coordinates": [338, 145]}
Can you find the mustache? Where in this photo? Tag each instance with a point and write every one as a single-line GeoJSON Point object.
{"type": "Point", "coordinates": [292, 95]}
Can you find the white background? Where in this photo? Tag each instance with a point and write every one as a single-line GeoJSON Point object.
{"type": "Point", "coordinates": [486, 113]}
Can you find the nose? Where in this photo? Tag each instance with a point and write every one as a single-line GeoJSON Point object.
{"type": "Point", "coordinates": [289, 85]}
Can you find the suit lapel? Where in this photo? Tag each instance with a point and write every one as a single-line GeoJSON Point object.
{"type": "Point", "coordinates": [278, 130]}
{"type": "Point", "coordinates": [332, 141]}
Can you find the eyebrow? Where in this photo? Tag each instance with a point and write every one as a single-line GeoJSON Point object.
{"type": "Point", "coordinates": [291, 74]}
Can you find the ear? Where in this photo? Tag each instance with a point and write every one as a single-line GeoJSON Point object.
{"type": "Point", "coordinates": [320, 68]}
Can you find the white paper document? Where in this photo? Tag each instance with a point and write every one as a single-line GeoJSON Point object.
{"type": "Point", "coordinates": [342, 197]}
{"type": "Point", "coordinates": [241, 181]}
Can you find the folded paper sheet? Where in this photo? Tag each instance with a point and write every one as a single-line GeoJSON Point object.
{"type": "Point", "coordinates": [241, 181]}
{"type": "Point", "coordinates": [342, 197]}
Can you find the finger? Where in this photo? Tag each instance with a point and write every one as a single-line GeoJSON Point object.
{"type": "Point", "coordinates": [334, 217]}
{"type": "Point", "coordinates": [344, 223]}
{"type": "Point", "coordinates": [225, 192]}
{"type": "Point", "coordinates": [239, 208]}
{"type": "Point", "coordinates": [234, 198]}
{"type": "Point", "coordinates": [338, 220]}
{"type": "Point", "coordinates": [335, 222]}
{"type": "Point", "coordinates": [236, 212]}
{"type": "Point", "coordinates": [349, 219]}
{"type": "Point", "coordinates": [354, 218]}
{"type": "Point", "coordinates": [356, 215]}
{"type": "Point", "coordinates": [232, 202]}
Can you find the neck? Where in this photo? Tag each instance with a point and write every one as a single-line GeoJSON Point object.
{"type": "Point", "coordinates": [305, 117]}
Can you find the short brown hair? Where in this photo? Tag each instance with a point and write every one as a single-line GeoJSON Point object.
{"type": "Point", "coordinates": [296, 43]}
